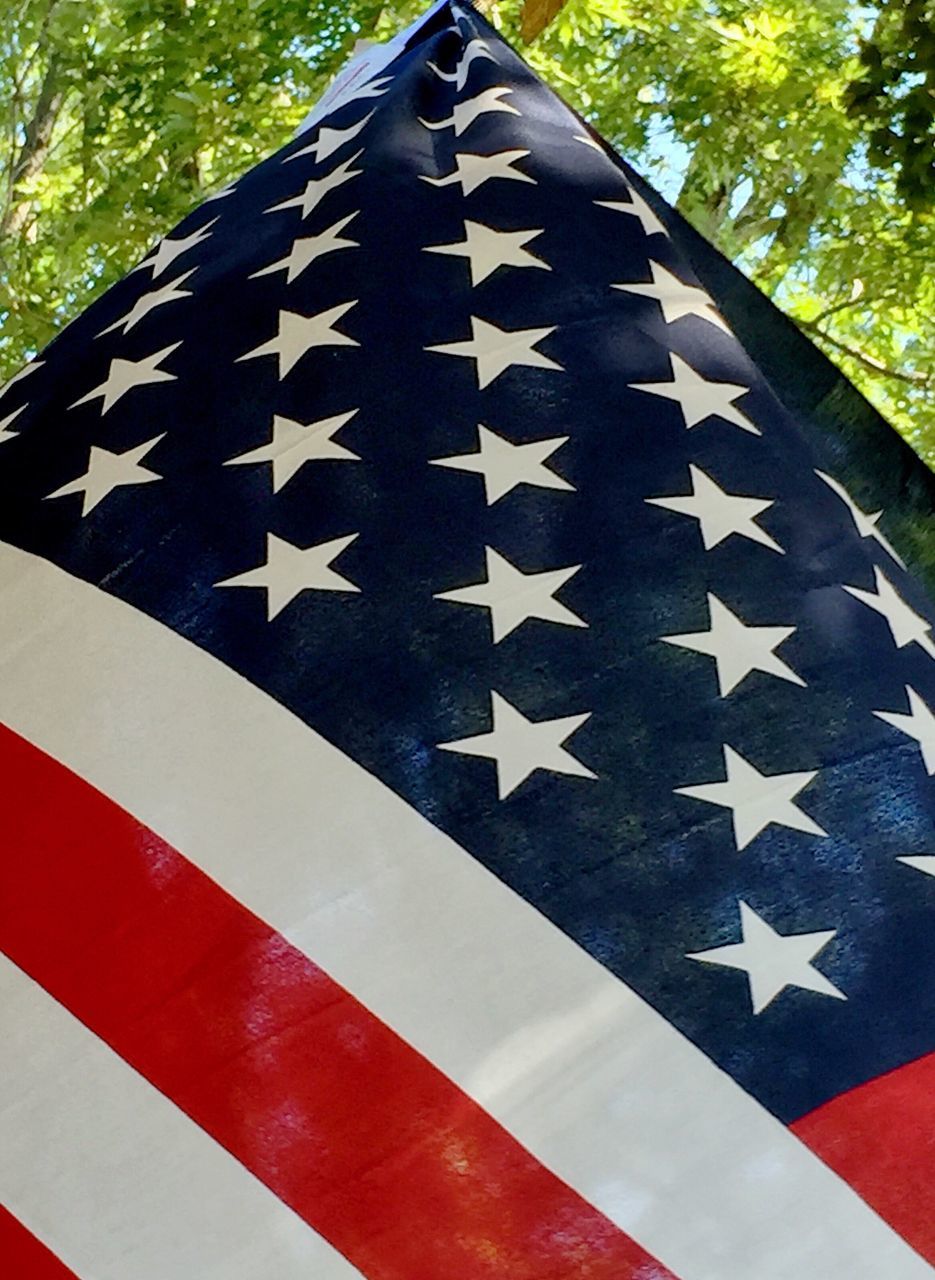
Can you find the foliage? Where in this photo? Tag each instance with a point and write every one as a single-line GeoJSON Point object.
{"type": "Point", "coordinates": [747, 102]}
{"type": "Point", "coordinates": [895, 94]}
{"type": "Point", "coordinates": [119, 115]}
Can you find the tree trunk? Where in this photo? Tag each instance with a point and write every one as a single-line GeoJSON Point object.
{"type": "Point", "coordinates": [35, 149]}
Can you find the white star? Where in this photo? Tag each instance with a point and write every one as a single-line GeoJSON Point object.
{"type": "Point", "coordinates": [149, 302]}
{"type": "Point", "coordinates": [222, 194]}
{"type": "Point", "coordinates": [305, 250]}
{"type": "Point", "coordinates": [473, 50]}
{"type": "Point", "coordinates": [588, 142]}
{"type": "Point", "coordinates": [918, 724]}
{"type": "Point", "coordinates": [866, 525]}
{"type": "Point", "coordinates": [638, 208]}
{"type": "Point", "coordinates": [488, 250]}
{"type": "Point", "coordinates": [317, 188]}
{"type": "Point", "coordinates": [298, 334]}
{"type": "Point", "coordinates": [473, 170]}
{"type": "Point", "coordinates": [295, 443]}
{"type": "Point", "coordinates": [329, 104]}
{"type": "Point", "coordinates": [736, 648]}
{"type": "Point", "coordinates": [108, 471]}
{"type": "Point", "coordinates": [495, 350]}
{"type": "Point", "coordinates": [513, 596]}
{"type": "Point", "coordinates": [773, 961]}
{"type": "Point", "coordinates": [168, 250]}
{"type": "Point", "coordinates": [757, 799]}
{"type": "Point", "coordinates": [700, 398]}
{"type": "Point", "coordinates": [328, 141]}
{"type": "Point", "coordinates": [371, 89]}
{"type": "Point", "coordinates": [18, 377]}
{"type": "Point", "coordinates": [6, 434]}
{"type": "Point", "coordinates": [906, 626]}
{"type": "Point", "coordinates": [289, 570]}
{"type": "Point", "coordinates": [505, 465]}
{"type": "Point", "coordinates": [465, 113]}
{"type": "Point", "coordinates": [720, 514]}
{"type": "Point", "coordinates": [676, 298]}
{"type": "Point", "coordinates": [124, 375]}
{"type": "Point", "coordinates": [924, 862]}
{"type": "Point", "coordinates": [520, 746]}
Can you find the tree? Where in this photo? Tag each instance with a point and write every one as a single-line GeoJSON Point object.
{"type": "Point", "coordinates": [748, 101]}
{"type": "Point", "coordinates": [119, 115]}
{"type": "Point", "coordinates": [895, 94]}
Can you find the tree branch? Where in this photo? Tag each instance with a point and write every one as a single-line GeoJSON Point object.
{"type": "Point", "coordinates": [794, 229]}
{"type": "Point", "coordinates": [706, 192]}
{"type": "Point", "coordinates": [20, 78]}
{"type": "Point", "coordinates": [748, 228]}
{"type": "Point", "coordinates": [869, 362]}
{"type": "Point", "coordinates": [835, 307]}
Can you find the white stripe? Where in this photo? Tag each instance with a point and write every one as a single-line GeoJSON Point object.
{"type": "Point", "coordinates": [114, 1179]}
{"type": "Point", "coordinates": [596, 1084]}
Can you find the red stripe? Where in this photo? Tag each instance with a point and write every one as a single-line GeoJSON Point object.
{"type": "Point", "coordinates": [24, 1257]}
{"type": "Point", "coordinates": [369, 1143]}
{"type": "Point", "coordinates": [880, 1137]}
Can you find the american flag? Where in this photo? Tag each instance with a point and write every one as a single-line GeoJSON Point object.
{"type": "Point", "coordinates": [468, 750]}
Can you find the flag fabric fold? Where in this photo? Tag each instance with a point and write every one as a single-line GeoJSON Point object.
{"type": "Point", "coordinates": [468, 698]}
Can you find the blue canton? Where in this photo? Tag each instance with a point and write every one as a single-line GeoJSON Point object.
{"type": "Point", "coordinates": [427, 428]}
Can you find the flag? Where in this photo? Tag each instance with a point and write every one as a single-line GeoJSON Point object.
{"type": "Point", "coordinates": [468, 738]}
